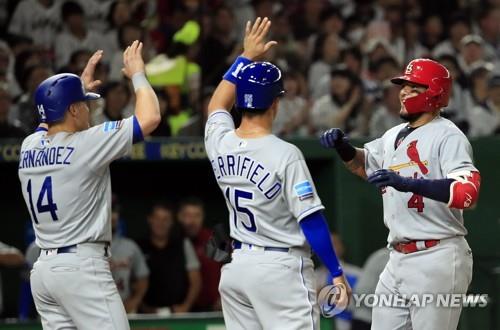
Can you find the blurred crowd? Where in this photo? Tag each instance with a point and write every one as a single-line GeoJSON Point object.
{"type": "Point", "coordinates": [165, 272]}
{"type": "Point", "coordinates": [337, 57]}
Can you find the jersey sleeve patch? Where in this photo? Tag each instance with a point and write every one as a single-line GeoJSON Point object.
{"type": "Point", "coordinates": [303, 190]}
{"type": "Point", "coordinates": [112, 125]}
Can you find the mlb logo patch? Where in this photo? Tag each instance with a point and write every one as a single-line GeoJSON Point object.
{"type": "Point", "coordinates": [303, 190]}
{"type": "Point", "coordinates": [112, 125]}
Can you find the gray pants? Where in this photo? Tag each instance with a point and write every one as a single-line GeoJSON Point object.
{"type": "Point", "coordinates": [445, 268]}
{"type": "Point", "coordinates": [77, 291]}
{"type": "Point", "coordinates": [268, 290]}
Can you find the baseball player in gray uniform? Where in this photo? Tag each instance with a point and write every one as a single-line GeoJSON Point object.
{"type": "Point", "coordinates": [64, 174]}
{"type": "Point", "coordinates": [275, 213]}
{"type": "Point", "coordinates": [427, 178]}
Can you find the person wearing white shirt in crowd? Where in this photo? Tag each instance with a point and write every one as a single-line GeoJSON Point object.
{"type": "Point", "coordinates": [485, 119]}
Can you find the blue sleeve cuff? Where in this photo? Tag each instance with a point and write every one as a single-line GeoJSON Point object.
{"type": "Point", "coordinates": [438, 190]}
{"type": "Point", "coordinates": [41, 129]}
{"type": "Point", "coordinates": [137, 132]}
{"type": "Point", "coordinates": [317, 234]}
{"type": "Point", "coordinates": [232, 74]}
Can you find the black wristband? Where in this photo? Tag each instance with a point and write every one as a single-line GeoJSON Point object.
{"type": "Point", "coordinates": [346, 151]}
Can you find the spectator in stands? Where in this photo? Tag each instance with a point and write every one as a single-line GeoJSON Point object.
{"type": "Point", "coordinates": [163, 128]}
{"type": "Point", "coordinates": [386, 115]}
{"type": "Point", "coordinates": [489, 29]}
{"type": "Point", "coordinates": [128, 265]}
{"type": "Point", "coordinates": [118, 15]}
{"type": "Point", "coordinates": [351, 272]}
{"type": "Point", "coordinates": [219, 48]}
{"type": "Point", "coordinates": [458, 27]}
{"type": "Point", "coordinates": [381, 70]}
{"type": "Point", "coordinates": [460, 102]}
{"type": "Point", "coordinates": [306, 19]}
{"type": "Point", "coordinates": [471, 52]}
{"type": "Point", "coordinates": [478, 82]}
{"type": "Point", "coordinates": [38, 19]}
{"type": "Point", "coordinates": [408, 46]}
{"type": "Point", "coordinates": [342, 106]}
{"type": "Point", "coordinates": [292, 117]}
{"type": "Point", "coordinates": [174, 279]}
{"type": "Point", "coordinates": [127, 33]}
{"type": "Point", "coordinates": [9, 257]}
{"type": "Point", "coordinates": [25, 113]}
{"type": "Point", "coordinates": [117, 106]}
{"type": "Point", "coordinates": [366, 284]}
{"type": "Point", "coordinates": [195, 126]}
{"type": "Point", "coordinates": [77, 61]}
{"type": "Point", "coordinates": [432, 33]}
{"type": "Point", "coordinates": [7, 69]}
{"type": "Point", "coordinates": [325, 56]}
{"type": "Point", "coordinates": [485, 118]}
{"type": "Point", "coordinates": [75, 35]}
{"type": "Point", "coordinates": [7, 129]}
{"type": "Point", "coordinates": [191, 215]}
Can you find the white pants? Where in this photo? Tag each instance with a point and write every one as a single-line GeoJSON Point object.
{"type": "Point", "coordinates": [268, 290]}
{"type": "Point", "coordinates": [77, 291]}
{"type": "Point", "coordinates": [445, 268]}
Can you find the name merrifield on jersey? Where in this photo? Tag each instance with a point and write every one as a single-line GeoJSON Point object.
{"type": "Point", "coordinates": [46, 157]}
{"type": "Point", "coordinates": [248, 168]}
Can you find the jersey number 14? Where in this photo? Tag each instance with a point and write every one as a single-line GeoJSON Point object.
{"type": "Point", "coordinates": [50, 206]}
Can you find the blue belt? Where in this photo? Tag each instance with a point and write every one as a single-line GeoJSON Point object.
{"type": "Point", "coordinates": [67, 249]}
{"type": "Point", "coordinates": [237, 245]}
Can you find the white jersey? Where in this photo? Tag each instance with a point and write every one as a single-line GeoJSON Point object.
{"type": "Point", "coordinates": [33, 20]}
{"type": "Point", "coordinates": [437, 150]}
{"type": "Point", "coordinates": [266, 184]}
{"type": "Point", "coordinates": [66, 183]}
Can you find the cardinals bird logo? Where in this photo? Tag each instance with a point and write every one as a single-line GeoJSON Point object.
{"type": "Point", "coordinates": [412, 153]}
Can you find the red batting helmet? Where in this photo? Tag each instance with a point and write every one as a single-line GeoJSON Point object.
{"type": "Point", "coordinates": [432, 75]}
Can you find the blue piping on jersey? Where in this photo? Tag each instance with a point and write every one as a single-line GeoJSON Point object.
{"type": "Point", "coordinates": [137, 135]}
{"type": "Point", "coordinates": [307, 291]}
{"type": "Point", "coordinates": [41, 129]}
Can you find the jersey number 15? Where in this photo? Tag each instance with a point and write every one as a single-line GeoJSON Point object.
{"type": "Point", "coordinates": [237, 208]}
{"type": "Point", "coordinates": [50, 206]}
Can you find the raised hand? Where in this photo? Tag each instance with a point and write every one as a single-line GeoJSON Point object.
{"type": "Point", "coordinates": [88, 73]}
{"type": "Point", "coordinates": [254, 44]}
{"type": "Point", "coordinates": [132, 59]}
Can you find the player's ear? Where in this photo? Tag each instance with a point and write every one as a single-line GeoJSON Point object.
{"type": "Point", "coordinates": [73, 109]}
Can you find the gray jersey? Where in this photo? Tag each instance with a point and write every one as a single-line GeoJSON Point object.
{"type": "Point", "coordinates": [436, 150]}
{"type": "Point", "coordinates": [266, 183]}
{"type": "Point", "coordinates": [66, 184]}
{"type": "Point", "coordinates": [127, 263]}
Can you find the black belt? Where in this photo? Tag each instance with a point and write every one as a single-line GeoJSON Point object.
{"type": "Point", "coordinates": [237, 245]}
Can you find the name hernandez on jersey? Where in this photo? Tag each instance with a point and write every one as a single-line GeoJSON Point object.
{"type": "Point", "coordinates": [45, 157]}
{"type": "Point", "coordinates": [249, 169]}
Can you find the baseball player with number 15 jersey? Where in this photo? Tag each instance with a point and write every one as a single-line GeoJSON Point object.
{"type": "Point", "coordinates": [275, 214]}
{"type": "Point", "coordinates": [426, 175]}
{"type": "Point", "coordinates": [64, 174]}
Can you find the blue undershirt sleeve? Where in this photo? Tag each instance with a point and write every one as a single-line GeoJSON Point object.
{"type": "Point", "coordinates": [317, 234]}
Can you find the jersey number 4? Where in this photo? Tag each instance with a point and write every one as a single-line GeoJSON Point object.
{"type": "Point", "coordinates": [416, 202]}
{"type": "Point", "coordinates": [237, 208]}
{"type": "Point", "coordinates": [50, 206]}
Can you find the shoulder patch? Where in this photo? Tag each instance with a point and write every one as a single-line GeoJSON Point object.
{"type": "Point", "coordinates": [303, 190]}
{"type": "Point", "coordinates": [112, 125]}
